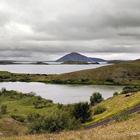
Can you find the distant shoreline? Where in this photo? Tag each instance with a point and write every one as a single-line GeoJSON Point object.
{"type": "Point", "coordinates": [126, 73]}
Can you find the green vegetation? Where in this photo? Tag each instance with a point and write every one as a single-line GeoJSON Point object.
{"type": "Point", "coordinates": [129, 89]}
{"type": "Point", "coordinates": [123, 117]}
{"type": "Point", "coordinates": [55, 122]}
{"type": "Point", "coordinates": [41, 115]}
{"type": "Point", "coordinates": [27, 113]}
{"type": "Point", "coordinates": [117, 130]}
{"type": "Point", "coordinates": [19, 111]}
{"type": "Point", "coordinates": [82, 112]}
{"type": "Point", "coordinates": [23, 104]}
{"type": "Point", "coordinates": [3, 109]}
{"type": "Point", "coordinates": [115, 105]}
{"type": "Point", "coordinates": [125, 73]}
{"type": "Point", "coordinates": [115, 94]}
{"type": "Point", "coordinates": [7, 76]}
{"type": "Point", "coordinates": [96, 98]}
{"type": "Point", "coordinates": [20, 118]}
{"type": "Point", "coordinates": [99, 110]}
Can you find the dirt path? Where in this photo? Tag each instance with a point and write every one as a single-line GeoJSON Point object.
{"type": "Point", "coordinates": [108, 120]}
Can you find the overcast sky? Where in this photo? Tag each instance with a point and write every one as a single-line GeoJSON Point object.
{"type": "Point", "coordinates": [47, 29]}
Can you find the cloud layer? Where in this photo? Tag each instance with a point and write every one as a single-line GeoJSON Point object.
{"type": "Point", "coordinates": [33, 29]}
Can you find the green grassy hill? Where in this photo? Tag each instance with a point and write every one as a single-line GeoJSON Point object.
{"type": "Point", "coordinates": [122, 73]}
{"type": "Point", "coordinates": [21, 106]}
{"type": "Point", "coordinates": [126, 128]}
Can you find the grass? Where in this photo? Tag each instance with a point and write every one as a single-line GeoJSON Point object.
{"type": "Point", "coordinates": [24, 106]}
{"type": "Point", "coordinates": [124, 130]}
{"type": "Point", "coordinates": [10, 127]}
{"type": "Point", "coordinates": [125, 73]}
{"type": "Point", "coordinates": [35, 114]}
{"type": "Point", "coordinates": [116, 105]}
{"type": "Point", "coordinates": [20, 105]}
{"type": "Point", "coordinates": [117, 74]}
{"type": "Point", "coordinates": [122, 74]}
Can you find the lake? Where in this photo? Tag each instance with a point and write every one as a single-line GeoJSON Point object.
{"type": "Point", "coordinates": [46, 69]}
{"type": "Point", "coordinates": [64, 94]}
{"type": "Point", "coordinates": [58, 93]}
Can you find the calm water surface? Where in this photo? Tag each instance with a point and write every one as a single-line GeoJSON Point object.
{"type": "Point", "coordinates": [61, 93]}
{"type": "Point", "coordinates": [46, 69]}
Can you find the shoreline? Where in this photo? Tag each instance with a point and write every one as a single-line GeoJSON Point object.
{"type": "Point", "coordinates": [126, 73]}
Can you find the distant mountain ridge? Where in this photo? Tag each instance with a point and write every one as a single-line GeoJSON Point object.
{"type": "Point", "coordinates": [77, 57]}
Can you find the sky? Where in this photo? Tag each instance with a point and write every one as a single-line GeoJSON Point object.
{"type": "Point", "coordinates": [48, 29]}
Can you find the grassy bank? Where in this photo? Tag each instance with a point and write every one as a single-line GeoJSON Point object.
{"type": "Point", "coordinates": [117, 74]}
{"type": "Point", "coordinates": [123, 130]}
{"type": "Point", "coordinates": [27, 113]}
{"type": "Point", "coordinates": [115, 105]}
{"type": "Point", "coordinates": [125, 73]}
{"type": "Point", "coordinates": [20, 111]}
{"type": "Point", "coordinates": [7, 77]}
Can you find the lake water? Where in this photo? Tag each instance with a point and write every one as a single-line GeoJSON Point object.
{"type": "Point", "coordinates": [46, 69]}
{"type": "Point", "coordinates": [58, 93]}
{"type": "Point", "coordinates": [62, 93]}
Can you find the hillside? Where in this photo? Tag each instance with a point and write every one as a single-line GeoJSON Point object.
{"type": "Point", "coordinates": [76, 57]}
{"type": "Point", "coordinates": [125, 73]}
{"type": "Point", "coordinates": [122, 73]}
{"type": "Point", "coordinates": [124, 128]}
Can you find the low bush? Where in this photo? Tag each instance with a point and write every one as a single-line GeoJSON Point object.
{"type": "Point", "coordinates": [96, 98]}
{"type": "Point", "coordinates": [99, 110]}
{"type": "Point", "coordinates": [129, 89]}
{"type": "Point", "coordinates": [115, 94]}
{"type": "Point", "coordinates": [123, 117]}
{"type": "Point", "coordinates": [3, 109]}
{"type": "Point", "coordinates": [82, 112]}
{"type": "Point", "coordinates": [39, 102]}
{"type": "Point", "coordinates": [3, 90]}
{"type": "Point", "coordinates": [110, 80]}
{"type": "Point", "coordinates": [55, 122]}
{"type": "Point", "coordinates": [19, 118]}
{"type": "Point", "coordinates": [33, 117]}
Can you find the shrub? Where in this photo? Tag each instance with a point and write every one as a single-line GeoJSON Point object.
{"type": "Point", "coordinates": [31, 94]}
{"type": "Point", "coordinates": [38, 105]}
{"type": "Point", "coordinates": [82, 112]}
{"type": "Point", "coordinates": [55, 122]}
{"type": "Point", "coordinates": [99, 110]}
{"type": "Point", "coordinates": [110, 80]}
{"type": "Point", "coordinates": [3, 90]}
{"type": "Point", "coordinates": [129, 89]}
{"type": "Point", "coordinates": [96, 98]}
{"type": "Point", "coordinates": [33, 117]}
{"type": "Point", "coordinates": [19, 118]}
{"type": "Point", "coordinates": [115, 94]}
{"type": "Point", "coordinates": [3, 109]}
{"type": "Point", "coordinates": [123, 117]}
{"type": "Point", "coordinates": [39, 102]}
{"type": "Point", "coordinates": [60, 106]}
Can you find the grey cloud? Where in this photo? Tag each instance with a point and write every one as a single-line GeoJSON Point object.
{"type": "Point", "coordinates": [51, 27]}
{"type": "Point", "coordinates": [79, 46]}
{"type": "Point", "coordinates": [9, 53]}
{"type": "Point", "coordinates": [4, 18]}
